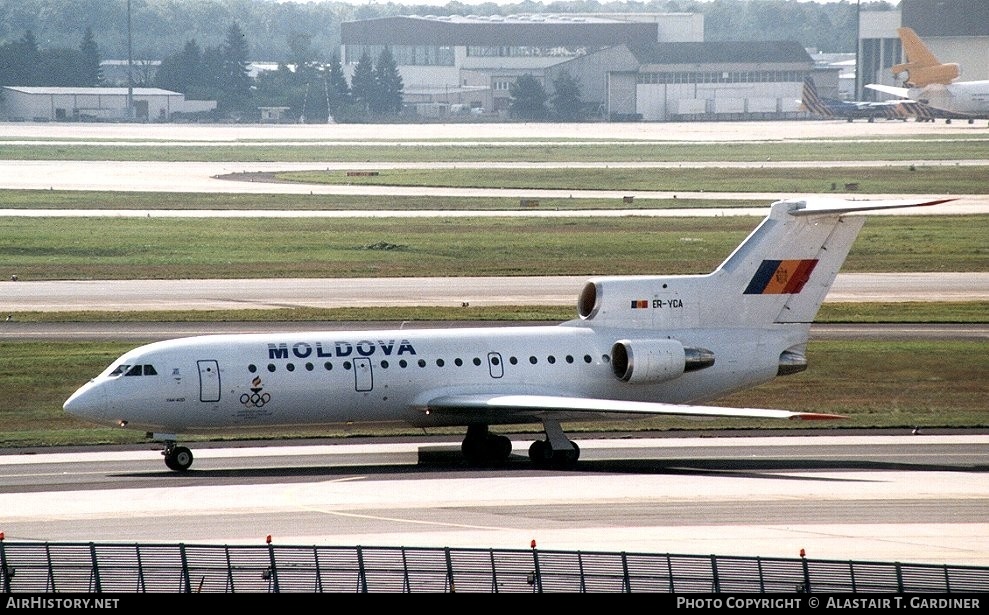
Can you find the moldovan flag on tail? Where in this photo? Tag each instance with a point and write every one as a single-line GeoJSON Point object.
{"type": "Point", "coordinates": [781, 277]}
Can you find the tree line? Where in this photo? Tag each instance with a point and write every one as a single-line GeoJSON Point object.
{"type": "Point", "coordinates": [311, 90]}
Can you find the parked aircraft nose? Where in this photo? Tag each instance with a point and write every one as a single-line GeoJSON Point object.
{"type": "Point", "coordinates": [89, 402]}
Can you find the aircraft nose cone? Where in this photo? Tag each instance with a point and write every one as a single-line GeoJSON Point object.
{"type": "Point", "coordinates": [89, 402]}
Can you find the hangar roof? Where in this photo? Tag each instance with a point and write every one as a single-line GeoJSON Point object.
{"type": "Point", "coordinates": [529, 30]}
{"type": "Point", "coordinates": [82, 91]}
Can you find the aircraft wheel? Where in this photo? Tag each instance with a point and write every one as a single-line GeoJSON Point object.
{"type": "Point", "coordinates": [486, 450]}
{"type": "Point", "coordinates": [501, 447]}
{"type": "Point", "coordinates": [543, 456]}
{"type": "Point", "coordinates": [573, 455]}
{"type": "Point", "coordinates": [540, 453]}
{"type": "Point", "coordinates": [178, 459]}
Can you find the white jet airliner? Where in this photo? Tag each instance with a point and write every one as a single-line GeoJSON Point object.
{"type": "Point", "coordinates": [641, 346]}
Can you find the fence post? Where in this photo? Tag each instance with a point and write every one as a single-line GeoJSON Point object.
{"type": "Point", "coordinates": [361, 578]}
{"type": "Point", "coordinates": [537, 579]}
{"type": "Point", "coordinates": [449, 570]}
{"type": "Point", "coordinates": [803, 560]}
{"type": "Point", "coordinates": [272, 566]}
{"type": "Point", "coordinates": [669, 573]}
{"type": "Point", "coordinates": [51, 569]}
{"type": "Point", "coordinates": [96, 568]}
{"type": "Point", "coordinates": [494, 572]}
{"type": "Point", "coordinates": [583, 580]}
{"type": "Point", "coordinates": [899, 577]}
{"type": "Point", "coordinates": [5, 572]}
{"type": "Point", "coordinates": [185, 569]}
{"type": "Point", "coordinates": [714, 574]}
{"type": "Point", "coordinates": [626, 581]}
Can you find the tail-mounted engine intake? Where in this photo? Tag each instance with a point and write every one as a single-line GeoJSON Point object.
{"type": "Point", "coordinates": [651, 361]}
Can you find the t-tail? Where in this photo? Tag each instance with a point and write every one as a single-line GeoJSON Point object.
{"type": "Point", "coordinates": [780, 274]}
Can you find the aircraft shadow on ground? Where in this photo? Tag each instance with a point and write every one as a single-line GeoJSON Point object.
{"type": "Point", "coordinates": [435, 466]}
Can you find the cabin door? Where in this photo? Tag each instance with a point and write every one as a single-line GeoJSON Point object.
{"type": "Point", "coordinates": [209, 380]}
{"type": "Point", "coordinates": [362, 375]}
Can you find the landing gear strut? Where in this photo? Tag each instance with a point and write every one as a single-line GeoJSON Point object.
{"type": "Point", "coordinates": [177, 458]}
{"type": "Point", "coordinates": [481, 447]}
{"type": "Point", "coordinates": [556, 450]}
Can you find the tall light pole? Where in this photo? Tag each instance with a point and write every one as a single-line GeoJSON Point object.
{"type": "Point", "coordinates": [130, 63]}
{"type": "Point", "coordinates": [858, 66]}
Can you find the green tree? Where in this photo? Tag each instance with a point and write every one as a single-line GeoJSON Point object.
{"type": "Point", "coordinates": [362, 84]}
{"type": "Point", "coordinates": [185, 72]}
{"type": "Point", "coordinates": [89, 68]}
{"type": "Point", "coordinates": [567, 102]}
{"type": "Point", "coordinates": [388, 85]}
{"type": "Point", "coordinates": [24, 62]}
{"type": "Point", "coordinates": [528, 99]}
{"type": "Point", "coordinates": [338, 92]}
{"type": "Point", "coordinates": [234, 77]}
{"type": "Point", "coordinates": [281, 88]}
{"type": "Point", "coordinates": [59, 67]}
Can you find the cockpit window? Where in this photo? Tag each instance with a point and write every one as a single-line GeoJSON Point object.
{"type": "Point", "coordinates": [133, 370]}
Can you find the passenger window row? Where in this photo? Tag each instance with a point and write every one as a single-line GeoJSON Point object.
{"type": "Point", "coordinates": [402, 363]}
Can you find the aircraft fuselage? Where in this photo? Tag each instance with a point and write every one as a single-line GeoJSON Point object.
{"type": "Point", "coordinates": [327, 378]}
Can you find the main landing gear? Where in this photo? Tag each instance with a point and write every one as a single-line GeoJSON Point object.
{"type": "Point", "coordinates": [556, 451]}
{"type": "Point", "coordinates": [177, 458]}
{"type": "Point", "coordinates": [482, 448]}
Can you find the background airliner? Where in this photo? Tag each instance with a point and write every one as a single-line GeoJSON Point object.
{"type": "Point", "coordinates": [639, 346]}
{"type": "Point", "coordinates": [933, 83]}
{"type": "Point", "coordinates": [835, 108]}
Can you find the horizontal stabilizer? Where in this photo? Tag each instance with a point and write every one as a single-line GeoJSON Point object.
{"type": "Point", "coordinates": [889, 89]}
{"type": "Point", "coordinates": [494, 407]}
{"type": "Point", "coordinates": [841, 206]}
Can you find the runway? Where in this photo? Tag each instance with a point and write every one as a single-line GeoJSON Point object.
{"type": "Point", "coordinates": [142, 295]}
{"type": "Point", "coordinates": [919, 499]}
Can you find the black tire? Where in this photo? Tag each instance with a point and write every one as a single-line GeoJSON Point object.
{"type": "Point", "coordinates": [179, 459]}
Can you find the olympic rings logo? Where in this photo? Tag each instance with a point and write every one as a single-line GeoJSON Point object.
{"type": "Point", "coordinates": [255, 400]}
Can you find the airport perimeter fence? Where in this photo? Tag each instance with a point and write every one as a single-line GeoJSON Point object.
{"type": "Point", "coordinates": [186, 568]}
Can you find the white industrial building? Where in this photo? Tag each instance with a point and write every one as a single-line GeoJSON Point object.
{"type": "Point", "coordinates": [40, 104]}
{"type": "Point", "coordinates": [643, 66]}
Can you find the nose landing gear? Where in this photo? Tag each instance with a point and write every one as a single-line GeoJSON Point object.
{"type": "Point", "coordinates": [177, 458]}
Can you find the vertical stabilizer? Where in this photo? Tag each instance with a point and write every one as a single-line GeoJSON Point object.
{"type": "Point", "coordinates": [922, 67]}
{"type": "Point", "coordinates": [811, 101]}
{"type": "Point", "coordinates": [783, 271]}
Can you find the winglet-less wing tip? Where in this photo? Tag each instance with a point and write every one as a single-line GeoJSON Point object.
{"type": "Point", "coordinates": [815, 416]}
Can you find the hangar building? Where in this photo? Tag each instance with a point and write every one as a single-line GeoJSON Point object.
{"type": "Point", "coordinates": [75, 104]}
{"type": "Point", "coordinates": [653, 66]}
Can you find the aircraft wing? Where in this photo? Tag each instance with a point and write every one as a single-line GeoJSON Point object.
{"type": "Point", "coordinates": [495, 408]}
{"type": "Point", "coordinates": [889, 89]}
